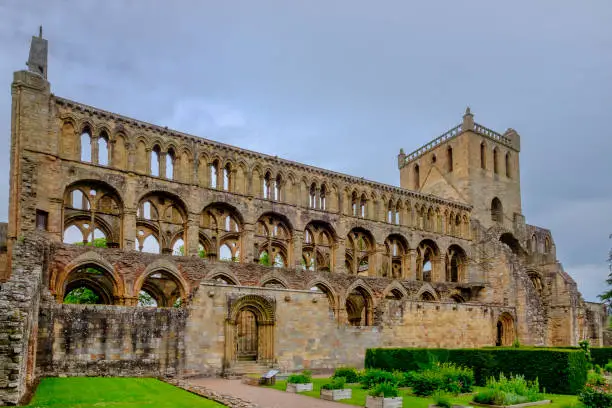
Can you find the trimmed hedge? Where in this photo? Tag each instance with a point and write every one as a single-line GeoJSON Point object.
{"type": "Point", "coordinates": [601, 355]}
{"type": "Point", "coordinates": [559, 371]}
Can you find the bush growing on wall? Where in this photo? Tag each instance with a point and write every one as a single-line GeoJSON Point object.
{"type": "Point", "coordinates": [559, 371]}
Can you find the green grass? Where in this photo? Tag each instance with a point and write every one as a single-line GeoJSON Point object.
{"type": "Point", "coordinates": [359, 396]}
{"type": "Point", "coordinates": [86, 392]}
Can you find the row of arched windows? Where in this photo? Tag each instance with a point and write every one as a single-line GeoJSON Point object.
{"type": "Point", "coordinates": [498, 157]}
{"type": "Point", "coordinates": [93, 216]}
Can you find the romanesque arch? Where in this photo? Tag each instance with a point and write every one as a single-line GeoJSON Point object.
{"type": "Point", "coordinates": [91, 282]}
{"type": "Point", "coordinates": [249, 329]}
{"type": "Point", "coordinates": [318, 246]}
{"type": "Point", "coordinates": [359, 305]}
{"type": "Point", "coordinates": [221, 230]}
{"type": "Point", "coordinates": [360, 247]}
{"type": "Point", "coordinates": [322, 286]}
{"type": "Point", "coordinates": [161, 223]}
{"type": "Point", "coordinates": [273, 240]}
{"type": "Point", "coordinates": [456, 264]}
{"type": "Point", "coordinates": [395, 259]}
{"type": "Point", "coordinates": [428, 260]}
{"type": "Point", "coordinates": [505, 331]}
{"type": "Point", "coordinates": [160, 285]}
{"type": "Point", "coordinates": [93, 214]}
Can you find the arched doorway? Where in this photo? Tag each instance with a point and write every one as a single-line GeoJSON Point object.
{"type": "Point", "coordinates": [249, 330]}
{"type": "Point", "coordinates": [505, 330]}
{"type": "Point", "coordinates": [246, 336]}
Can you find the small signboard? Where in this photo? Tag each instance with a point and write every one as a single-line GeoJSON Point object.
{"type": "Point", "coordinates": [270, 374]}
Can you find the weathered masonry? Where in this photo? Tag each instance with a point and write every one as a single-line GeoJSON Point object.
{"type": "Point", "coordinates": [205, 258]}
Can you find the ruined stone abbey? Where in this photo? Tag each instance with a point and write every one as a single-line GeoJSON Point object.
{"type": "Point", "coordinates": [212, 257]}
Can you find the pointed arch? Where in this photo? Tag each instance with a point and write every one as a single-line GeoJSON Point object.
{"type": "Point", "coordinates": [395, 290]}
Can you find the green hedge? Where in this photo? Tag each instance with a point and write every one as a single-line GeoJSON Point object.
{"type": "Point", "coordinates": [601, 355]}
{"type": "Point", "coordinates": [560, 371]}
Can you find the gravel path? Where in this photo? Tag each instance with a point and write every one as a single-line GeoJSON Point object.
{"type": "Point", "coordinates": [264, 397]}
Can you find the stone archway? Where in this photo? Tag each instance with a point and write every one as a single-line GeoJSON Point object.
{"type": "Point", "coordinates": [504, 330]}
{"type": "Point", "coordinates": [249, 329]}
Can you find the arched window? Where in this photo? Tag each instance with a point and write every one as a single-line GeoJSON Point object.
{"type": "Point", "coordinates": [170, 157]}
{"type": "Point", "coordinates": [508, 170]}
{"type": "Point", "coordinates": [362, 206]}
{"type": "Point", "coordinates": [449, 158]}
{"type": "Point", "coordinates": [547, 246]}
{"type": "Point", "coordinates": [178, 248]}
{"type": "Point", "coordinates": [317, 249]}
{"type": "Point", "coordinates": [359, 307]}
{"type": "Point", "coordinates": [398, 209]}
{"type": "Point", "coordinates": [155, 161]}
{"type": "Point", "coordinates": [227, 177]}
{"type": "Point", "coordinates": [455, 264]}
{"type": "Point", "coordinates": [483, 157]}
{"type": "Point", "coordinates": [322, 202]}
{"type": "Point", "coordinates": [267, 187]}
{"type": "Point", "coordinates": [417, 177]}
{"type": "Point", "coordinates": [277, 188]}
{"type": "Point", "coordinates": [497, 210]}
{"type": "Point", "coordinates": [495, 161]}
{"type": "Point", "coordinates": [213, 173]}
{"type": "Point", "coordinates": [359, 247]}
{"type": "Point", "coordinates": [390, 214]}
{"type": "Point", "coordinates": [103, 149]}
{"type": "Point", "coordinates": [273, 236]}
{"type": "Point", "coordinates": [312, 196]}
{"type": "Point", "coordinates": [86, 145]}
{"type": "Point", "coordinates": [354, 204]}
{"type": "Point", "coordinates": [427, 252]}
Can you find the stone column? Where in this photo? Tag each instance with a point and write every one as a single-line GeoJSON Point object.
{"type": "Point", "coordinates": [248, 239]}
{"type": "Point", "coordinates": [131, 156]}
{"type": "Point", "coordinates": [298, 238]}
{"type": "Point", "coordinates": [162, 164]}
{"type": "Point", "coordinates": [148, 162]}
{"type": "Point", "coordinates": [94, 150]}
{"type": "Point", "coordinates": [230, 346]}
{"type": "Point", "coordinates": [376, 259]}
{"type": "Point", "coordinates": [411, 273]}
{"type": "Point", "coordinates": [339, 257]}
{"type": "Point", "coordinates": [191, 236]}
{"type": "Point", "coordinates": [219, 177]}
{"type": "Point", "coordinates": [129, 228]}
{"type": "Point", "coordinates": [438, 271]}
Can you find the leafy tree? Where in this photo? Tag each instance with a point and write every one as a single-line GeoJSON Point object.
{"type": "Point", "coordinates": [97, 243]}
{"type": "Point", "coordinates": [145, 299]}
{"type": "Point", "coordinates": [82, 296]}
{"type": "Point", "coordinates": [264, 259]}
{"type": "Point", "coordinates": [606, 297]}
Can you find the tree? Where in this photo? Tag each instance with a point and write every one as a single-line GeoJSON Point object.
{"type": "Point", "coordinates": [97, 243]}
{"type": "Point", "coordinates": [145, 299]}
{"type": "Point", "coordinates": [606, 297]}
{"type": "Point", "coordinates": [264, 259]}
{"type": "Point", "coordinates": [82, 296]}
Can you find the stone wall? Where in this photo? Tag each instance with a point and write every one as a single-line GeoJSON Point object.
{"type": "Point", "coordinates": [93, 340]}
{"type": "Point", "coordinates": [307, 333]}
{"type": "Point", "coordinates": [19, 305]}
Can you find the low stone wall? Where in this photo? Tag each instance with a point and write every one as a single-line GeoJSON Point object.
{"type": "Point", "coordinates": [19, 304]}
{"type": "Point", "coordinates": [94, 340]}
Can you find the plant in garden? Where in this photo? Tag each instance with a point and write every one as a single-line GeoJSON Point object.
{"type": "Point", "coordinates": [608, 367]}
{"type": "Point", "coordinates": [442, 400]}
{"type": "Point", "coordinates": [304, 378]}
{"type": "Point", "coordinates": [336, 384]}
{"type": "Point", "coordinates": [384, 389]}
{"type": "Point", "coordinates": [509, 390]}
{"type": "Point", "coordinates": [597, 393]}
{"type": "Point", "coordinates": [446, 377]}
{"type": "Point", "coordinates": [373, 377]}
{"type": "Point", "coordinates": [350, 374]}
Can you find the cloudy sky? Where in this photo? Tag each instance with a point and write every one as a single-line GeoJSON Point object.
{"type": "Point", "coordinates": [343, 84]}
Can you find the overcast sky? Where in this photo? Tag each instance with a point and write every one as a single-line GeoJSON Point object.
{"type": "Point", "coordinates": [344, 84]}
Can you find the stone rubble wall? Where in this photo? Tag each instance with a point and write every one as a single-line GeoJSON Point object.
{"type": "Point", "coordinates": [19, 305]}
{"type": "Point", "coordinates": [95, 340]}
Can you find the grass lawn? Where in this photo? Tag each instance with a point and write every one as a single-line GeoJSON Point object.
{"type": "Point", "coordinates": [359, 396]}
{"type": "Point", "coordinates": [86, 392]}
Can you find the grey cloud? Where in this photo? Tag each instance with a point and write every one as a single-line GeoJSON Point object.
{"type": "Point", "coordinates": [345, 84]}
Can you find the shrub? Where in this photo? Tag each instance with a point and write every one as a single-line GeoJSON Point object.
{"type": "Point", "coordinates": [406, 379]}
{"type": "Point", "coordinates": [374, 377]}
{"type": "Point", "coordinates": [445, 377]}
{"type": "Point", "coordinates": [350, 374]}
{"type": "Point", "coordinates": [336, 384]}
{"type": "Point", "coordinates": [304, 378]}
{"type": "Point", "coordinates": [560, 371]}
{"type": "Point", "coordinates": [597, 393]}
{"type": "Point", "coordinates": [509, 391]}
{"type": "Point", "coordinates": [601, 355]}
{"type": "Point", "coordinates": [608, 367]}
{"type": "Point", "coordinates": [384, 389]}
{"type": "Point", "coordinates": [442, 400]}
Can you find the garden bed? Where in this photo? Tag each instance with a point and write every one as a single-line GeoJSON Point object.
{"type": "Point", "coordinates": [526, 404]}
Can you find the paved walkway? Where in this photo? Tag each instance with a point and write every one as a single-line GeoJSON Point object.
{"type": "Point", "coordinates": [262, 396]}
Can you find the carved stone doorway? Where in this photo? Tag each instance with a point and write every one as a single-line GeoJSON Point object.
{"type": "Point", "coordinates": [246, 336]}
{"type": "Point", "coordinates": [249, 329]}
